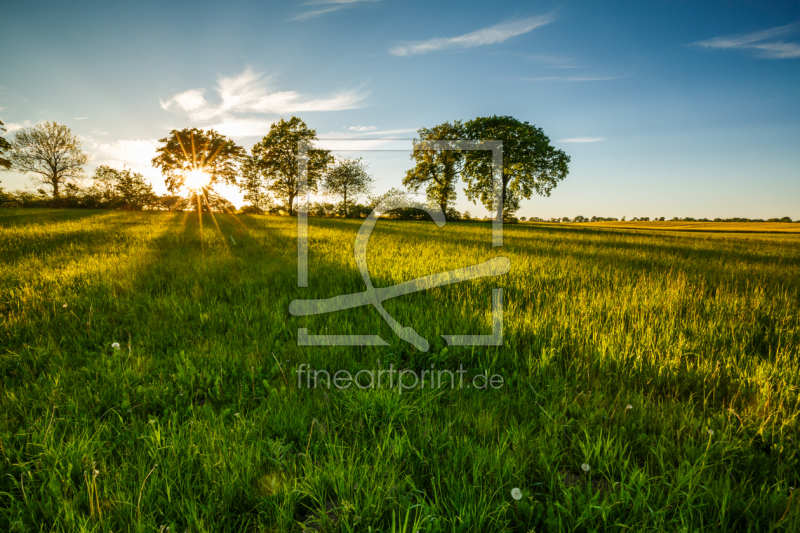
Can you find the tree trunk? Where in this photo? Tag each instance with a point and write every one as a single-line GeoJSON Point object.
{"type": "Point", "coordinates": [443, 207]}
{"type": "Point", "coordinates": [290, 206]}
{"type": "Point", "coordinates": [501, 204]}
{"type": "Point", "coordinates": [55, 187]}
{"type": "Point", "coordinates": [345, 202]}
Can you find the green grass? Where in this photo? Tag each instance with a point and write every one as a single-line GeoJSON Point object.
{"type": "Point", "coordinates": [695, 332]}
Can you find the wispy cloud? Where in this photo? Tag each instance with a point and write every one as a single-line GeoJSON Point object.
{"type": "Point", "coordinates": [80, 118]}
{"type": "Point", "coordinates": [762, 43]}
{"type": "Point", "coordinates": [582, 140]}
{"type": "Point", "coordinates": [491, 35]}
{"type": "Point", "coordinates": [332, 5]}
{"type": "Point", "coordinates": [250, 92]}
{"type": "Point", "coordinates": [361, 128]}
{"type": "Point", "coordinates": [576, 78]}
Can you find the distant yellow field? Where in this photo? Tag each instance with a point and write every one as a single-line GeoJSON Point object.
{"type": "Point", "coordinates": [737, 227]}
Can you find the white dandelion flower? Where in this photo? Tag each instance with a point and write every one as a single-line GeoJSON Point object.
{"type": "Point", "coordinates": [585, 467]}
{"type": "Point", "coordinates": [710, 431]}
{"type": "Point", "coordinates": [115, 345]}
{"type": "Point", "coordinates": [629, 407]}
{"type": "Point", "coordinates": [516, 493]}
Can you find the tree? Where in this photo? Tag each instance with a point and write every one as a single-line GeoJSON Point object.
{"type": "Point", "coordinates": [348, 180]}
{"type": "Point", "coordinates": [5, 146]}
{"type": "Point", "coordinates": [530, 163]}
{"type": "Point", "coordinates": [254, 185]}
{"type": "Point", "coordinates": [277, 159]}
{"type": "Point", "coordinates": [437, 166]}
{"type": "Point", "coordinates": [122, 189]}
{"type": "Point", "coordinates": [187, 152]}
{"type": "Point", "coordinates": [50, 152]}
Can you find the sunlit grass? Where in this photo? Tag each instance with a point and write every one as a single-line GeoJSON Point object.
{"type": "Point", "coordinates": [665, 362]}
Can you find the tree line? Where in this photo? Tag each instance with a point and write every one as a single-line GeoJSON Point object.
{"type": "Point", "coordinates": [193, 160]}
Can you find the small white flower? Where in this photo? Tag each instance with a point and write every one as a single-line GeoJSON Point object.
{"type": "Point", "coordinates": [115, 345]}
{"type": "Point", "coordinates": [710, 431]}
{"type": "Point", "coordinates": [64, 305]}
{"type": "Point", "coordinates": [516, 494]}
{"type": "Point", "coordinates": [585, 467]}
{"type": "Point", "coordinates": [629, 407]}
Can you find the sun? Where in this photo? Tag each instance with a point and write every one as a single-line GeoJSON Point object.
{"type": "Point", "coordinates": [196, 179]}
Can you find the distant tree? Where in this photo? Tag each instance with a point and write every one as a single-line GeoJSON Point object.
{"type": "Point", "coordinates": [278, 160]}
{"type": "Point", "coordinates": [5, 146]}
{"type": "Point", "coordinates": [194, 150]}
{"type": "Point", "coordinates": [437, 167]}
{"type": "Point", "coordinates": [255, 186]}
{"type": "Point", "coordinates": [50, 152]}
{"type": "Point", "coordinates": [523, 219]}
{"type": "Point", "coordinates": [122, 189]}
{"type": "Point", "coordinates": [530, 163]}
{"type": "Point", "coordinates": [785, 219]}
{"type": "Point", "coordinates": [348, 180]}
{"type": "Point", "coordinates": [467, 215]}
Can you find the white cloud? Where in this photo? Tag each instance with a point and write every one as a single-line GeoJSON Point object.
{"type": "Point", "coordinates": [249, 92]}
{"type": "Point", "coordinates": [491, 35]}
{"type": "Point", "coordinates": [582, 140]}
{"type": "Point", "coordinates": [760, 41]}
{"type": "Point", "coordinates": [334, 5]}
{"type": "Point", "coordinates": [135, 154]}
{"type": "Point", "coordinates": [80, 118]}
{"type": "Point", "coordinates": [362, 128]}
{"type": "Point", "coordinates": [11, 127]}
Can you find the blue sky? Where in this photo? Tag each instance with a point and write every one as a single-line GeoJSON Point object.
{"type": "Point", "coordinates": [667, 108]}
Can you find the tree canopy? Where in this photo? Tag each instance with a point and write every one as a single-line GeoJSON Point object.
{"type": "Point", "coordinates": [122, 189]}
{"type": "Point", "coordinates": [192, 149]}
{"type": "Point", "coordinates": [530, 163]}
{"type": "Point", "coordinates": [254, 184]}
{"type": "Point", "coordinates": [437, 166]}
{"type": "Point", "coordinates": [277, 160]}
{"type": "Point", "coordinates": [348, 180]}
{"type": "Point", "coordinates": [5, 146]}
{"type": "Point", "coordinates": [50, 152]}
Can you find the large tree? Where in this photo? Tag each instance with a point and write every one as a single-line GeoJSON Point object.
{"type": "Point", "coordinates": [50, 152]}
{"type": "Point", "coordinates": [187, 152]}
{"type": "Point", "coordinates": [348, 180]}
{"type": "Point", "coordinates": [530, 163]}
{"type": "Point", "coordinates": [5, 146]}
{"type": "Point", "coordinates": [278, 161]}
{"type": "Point", "coordinates": [438, 165]}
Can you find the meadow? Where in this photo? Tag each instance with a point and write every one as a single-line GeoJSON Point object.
{"type": "Point", "coordinates": [651, 379]}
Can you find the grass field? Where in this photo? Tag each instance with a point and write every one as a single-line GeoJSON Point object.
{"type": "Point", "coordinates": [666, 362]}
{"type": "Point", "coordinates": [721, 227]}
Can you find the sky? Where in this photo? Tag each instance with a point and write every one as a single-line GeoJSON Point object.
{"type": "Point", "coordinates": [673, 108]}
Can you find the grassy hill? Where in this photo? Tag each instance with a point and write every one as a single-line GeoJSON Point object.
{"type": "Point", "coordinates": [665, 362]}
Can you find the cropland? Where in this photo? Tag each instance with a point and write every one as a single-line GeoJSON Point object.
{"type": "Point", "coordinates": [152, 378]}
